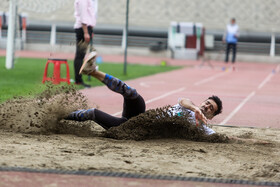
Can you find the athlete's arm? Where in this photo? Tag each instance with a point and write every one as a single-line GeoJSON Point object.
{"type": "Point", "coordinates": [199, 116]}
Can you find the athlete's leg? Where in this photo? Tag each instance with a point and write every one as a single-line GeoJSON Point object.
{"type": "Point", "coordinates": [114, 84]}
{"type": "Point", "coordinates": [133, 105]}
{"type": "Point", "coordinates": [119, 86]}
{"type": "Point", "coordinates": [103, 119]}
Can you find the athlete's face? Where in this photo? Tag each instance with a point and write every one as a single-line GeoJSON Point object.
{"type": "Point", "coordinates": [208, 108]}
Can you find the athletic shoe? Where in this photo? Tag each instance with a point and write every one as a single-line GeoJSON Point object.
{"type": "Point", "coordinates": [77, 115]}
{"type": "Point", "coordinates": [81, 115]}
{"type": "Point", "coordinates": [89, 64]}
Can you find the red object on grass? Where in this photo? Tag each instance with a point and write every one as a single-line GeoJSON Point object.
{"type": "Point", "coordinates": [56, 79]}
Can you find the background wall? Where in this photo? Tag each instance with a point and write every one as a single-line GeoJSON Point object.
{"type": "Point", "coordinates": [251, 15]}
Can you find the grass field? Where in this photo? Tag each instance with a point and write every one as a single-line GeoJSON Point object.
{"type": "Point", "coordinates": [25, 79]}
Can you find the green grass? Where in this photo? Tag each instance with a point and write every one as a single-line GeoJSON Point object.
{"type": "Point", "coordinates": [25, 79]}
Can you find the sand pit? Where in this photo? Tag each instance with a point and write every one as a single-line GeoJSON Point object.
{"type": "Point", "coordinates": [43, 141]}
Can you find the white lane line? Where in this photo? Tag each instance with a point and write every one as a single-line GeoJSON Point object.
{"type": "Point", "coordinates": [117, 113]}
{"type": "Point", "coordinates": [165, 95]}
{"type": "Point", "coordinates": [248, 97]}
{"type": "Point", "coordinates": [209, 78]}
{"type": "Point", "coordinates": [238, 108]}
{"type": "Point", "coordinates": [157, 98]}
{"type": "Point", "coordinates": [179, 90]}
{"type": "Point", "coordinates": [149, 83]}
{"type": "Point", "coordinates": [265, 81]}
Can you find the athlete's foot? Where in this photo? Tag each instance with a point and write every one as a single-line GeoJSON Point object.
{"type": "Point", "coordinates": [76, 116]}
{"type": "Point", "coordinates": [89, 64]}
{"type": "Point", "coordinates": [81, 115]}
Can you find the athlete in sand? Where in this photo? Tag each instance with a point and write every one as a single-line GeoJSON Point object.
{"type": "Point", "coordinates": [134, 104]}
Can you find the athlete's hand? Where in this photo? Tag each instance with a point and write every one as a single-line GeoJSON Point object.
{"type": "Point", "coordinates": [199, 117]}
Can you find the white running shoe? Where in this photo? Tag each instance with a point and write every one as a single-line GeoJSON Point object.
{"type": "Point", "coordinates": [89, 64]}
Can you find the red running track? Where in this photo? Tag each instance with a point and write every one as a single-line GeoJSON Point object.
{"type": "Point", "coordinates": [62, 180]}
{"type": "Point", "coordinates": [250, 94]}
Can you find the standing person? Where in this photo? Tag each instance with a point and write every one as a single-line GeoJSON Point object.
{"type": "Point", "coordinates": [85, 15]}
{"type": "Point", "coordinates": [231, 38]}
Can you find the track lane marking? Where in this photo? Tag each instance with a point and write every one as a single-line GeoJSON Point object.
{"type": "Point", "coordinates": [179, 90]}
{"type": "Point", "coordinates": [209, 78]}
{"type": "Point", "coordinates": [268, 77]}
{"type": "Point", "coordinates": [265, 81]}
{"type": "Point", "coordinates": [238, 108]}
{"type": "Point", "coordinates": [158, 98]}
{"type": "Point", "coordinates": [148, 84]}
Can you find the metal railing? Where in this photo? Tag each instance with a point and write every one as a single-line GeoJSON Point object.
{"type": "Point", "coordinates": [255, 44]}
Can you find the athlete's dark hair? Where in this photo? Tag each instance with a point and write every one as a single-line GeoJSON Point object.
{"type": "Point", "coordinates": [218, 102]}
